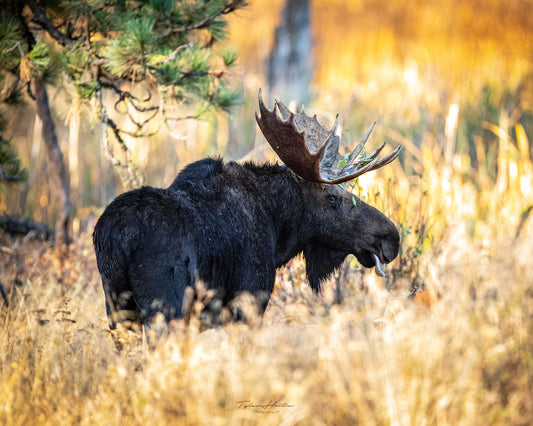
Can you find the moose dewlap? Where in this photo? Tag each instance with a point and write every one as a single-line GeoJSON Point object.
{"type": "Point", "coordinates": [231, 225]}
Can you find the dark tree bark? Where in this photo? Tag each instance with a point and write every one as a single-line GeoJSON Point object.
{"type": "Point", "coordinates": [4, 294]}
{"type": "Point", "coordinates": [61, 177]}
{"type": "Point", "coordinates": [17, 225]}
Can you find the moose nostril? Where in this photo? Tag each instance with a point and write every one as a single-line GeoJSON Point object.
{"type": "Point", "coordinates": [387, 257]}
{"type": "Point", "coordinates": [389, 250]}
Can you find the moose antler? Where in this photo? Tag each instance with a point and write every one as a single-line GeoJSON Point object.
{"type": "Point", "coordinates": [311, 150]}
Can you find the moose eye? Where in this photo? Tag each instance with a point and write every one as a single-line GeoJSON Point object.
{"type": "Point", "coordinates": [332, 199]}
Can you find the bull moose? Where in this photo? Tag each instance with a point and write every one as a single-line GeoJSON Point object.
{"type": "Point", "coordinates": [231, 225]}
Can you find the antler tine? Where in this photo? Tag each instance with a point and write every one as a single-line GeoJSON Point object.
{"type": "Point", "coordinates": [360, 146]}
{"type": "Point", "coordinates": [335, 124]}
{"type": "Point", "coordinates": [285, 112]}
{"type": "Point", "coordinates": [359, 169]}
{"type": "Point", "coordinates": [372, 162]}
{"type": "Point", "coordinates": [375, 161]}
{"type": "Point", "coordinates": [367, 158]}
{"type": "Point", "coordinates": [391, 157]}
{"type": "Point", "coordinates": [331, 153]}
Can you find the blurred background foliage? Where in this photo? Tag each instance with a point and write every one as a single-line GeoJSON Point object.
{"type": "Point", "coordinates": [448, 78]}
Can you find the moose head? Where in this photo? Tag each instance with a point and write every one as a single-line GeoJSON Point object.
{"type": "Point", "coordinates": [312, 152]}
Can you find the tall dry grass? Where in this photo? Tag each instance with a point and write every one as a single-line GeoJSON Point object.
{"type": "Point", "coordinates": [445, 339]}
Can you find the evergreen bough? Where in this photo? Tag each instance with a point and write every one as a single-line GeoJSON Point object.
{"type": "Point", "coordinates": [155, 57]}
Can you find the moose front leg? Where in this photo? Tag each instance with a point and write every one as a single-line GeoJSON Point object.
{"type": "Point", "coordinates": [249, 300]}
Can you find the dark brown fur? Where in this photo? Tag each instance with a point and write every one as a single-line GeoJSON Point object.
{"type": "Point", "coordinates": [231, 226]}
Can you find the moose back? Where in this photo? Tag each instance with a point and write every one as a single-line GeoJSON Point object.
{"type": "Point", "coordinates": [231, 225]}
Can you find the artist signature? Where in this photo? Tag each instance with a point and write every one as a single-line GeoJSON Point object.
{"type": "Point", "coordinates": [270, 407]}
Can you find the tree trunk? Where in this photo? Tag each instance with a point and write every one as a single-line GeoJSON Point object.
{"type": "Point", "coordinates": [61, 177]}
{"type": "Point", "coordinates": [4, 294]}
{"type": "Point", "coordinates": [17, 225]}
{"type": "Point", "coordinates": [73, 160]}
{"type": "Point", "coordinates": [290, 65]}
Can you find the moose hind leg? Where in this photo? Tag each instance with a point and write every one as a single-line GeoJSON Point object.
{"type": "Point", "coordinates": [121, 307]}
{"type": "Point", "coordinates": [159, 287]}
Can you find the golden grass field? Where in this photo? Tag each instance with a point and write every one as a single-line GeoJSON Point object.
{"type": "Point", "coordinates": [458, 352]}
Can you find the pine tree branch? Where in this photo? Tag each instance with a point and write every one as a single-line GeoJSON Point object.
{"type": "Point", "coordinates": [228, 8]}
{"type": "Point", "coordinates": [182, 117]}
{"type": "Point", "coordinates": [116, 131]}
{"type": "Point", "coordinates": [174, 54]}
{"type": "Point", "coordinates": [123, 95]}
{"type": "Point", "coordinates": [140, 125]}
{"type": "Point", "coordinates": [129, 173]}
{"type": "Point", "coordinates": [100, 72]}
{"type": "Point", "coordinates": [127, 95]}
{"type": "Point", "coordinates": [41, 19]}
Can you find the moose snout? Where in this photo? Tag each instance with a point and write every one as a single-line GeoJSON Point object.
{"type": "Point", "coordinates": [390, 247]}
{"type": "Point", "coordinates": [387, 249]}
{"type": "Point", "coordinates": [382, 235]}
